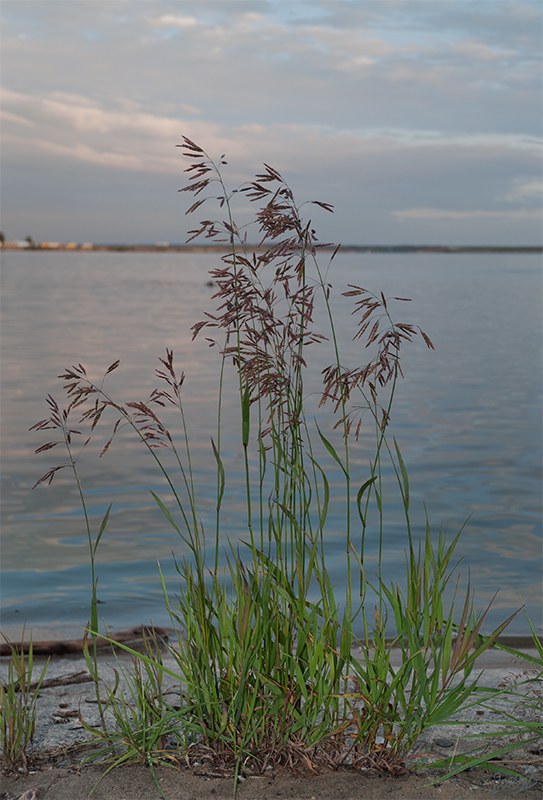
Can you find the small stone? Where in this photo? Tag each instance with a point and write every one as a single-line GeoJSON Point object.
{"type": "Point", "coordinates": [444, 742]}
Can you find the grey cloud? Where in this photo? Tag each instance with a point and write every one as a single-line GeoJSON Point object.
{"type": "Point", "coordinates": [393, 107]}
{"type": "Point", "coordinates": [386, 175]}
{"type": "Point", "coordinates": [241, 70]}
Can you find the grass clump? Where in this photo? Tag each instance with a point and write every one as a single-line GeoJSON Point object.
{"type": "Point", "coordinates": [134, 723]}
{"type": "Point", "coordinates": [18, 696]}
{"type": "Point", "coordinates": [264, 644]}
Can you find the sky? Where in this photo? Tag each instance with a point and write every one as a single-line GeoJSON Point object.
{"type": "Point", "coordinates": [419, 120]}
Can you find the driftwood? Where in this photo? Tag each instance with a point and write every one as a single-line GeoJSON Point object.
{"type": "Point", "coordinates": [134, 636]}
{"type": "Point", "coordinates": [62, 680]}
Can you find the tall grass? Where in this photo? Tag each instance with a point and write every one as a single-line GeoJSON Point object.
{"type": "Point", "coordinates": [264, 644]}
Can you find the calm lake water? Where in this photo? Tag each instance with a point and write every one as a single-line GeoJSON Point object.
{"type": "Point", "coordinates": [467, 417]}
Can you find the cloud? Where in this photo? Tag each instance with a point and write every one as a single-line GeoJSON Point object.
{"type": "Point", "coordinates": [7, 116]}
{"type": "Point", "coordinates": [525, 190]}
{"type": "Point", "coordinates": [249, 61]}
{"type": "Point", "coordinates": [481, 52]}
{"type": "Point", "coordinates": [174, 21]}
{"type": "Point", "coordinates": [402, 112]}
{"type": "Point", "coordinates": [57, 118]}
{"type": "Point", "coordinates": [85, 115]}
{"type": "Point", "coordinates": [84, 153]}
{"type": "Point", "coordinates": [441, 213]}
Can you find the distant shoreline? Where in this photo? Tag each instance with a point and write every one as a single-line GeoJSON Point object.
{"type": "Point", "coordinates": [349, 248]}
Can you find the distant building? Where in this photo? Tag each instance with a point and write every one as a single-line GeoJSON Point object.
{"type": "Point", "coordinates": [17, 243]}
{"type": "Point", "coordinates": [87, 246]}
{"type": "Point", "coordinates": [50, 245]}
{"type": "Point", "coordinates": [71, 246]}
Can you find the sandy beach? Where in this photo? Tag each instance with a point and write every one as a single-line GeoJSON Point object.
{"type": "Point", "coordinates": [57, 773]}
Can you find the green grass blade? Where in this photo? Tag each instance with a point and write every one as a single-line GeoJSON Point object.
{"type": "Point", "coordinates": [405, 478]}
{"type": "Point", "coordinates": [222, 479]}
{"type": "Point", "coordinates": [102, 527]}
{"type": "Point", "coordinates": [246, 416]}
{"type": "Point", "coordinates": [365, 486]}
{"type": "Point", "coordinates": [331, 450]}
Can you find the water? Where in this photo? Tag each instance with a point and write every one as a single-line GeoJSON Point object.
{"type": "Point", "coordinates": [467, 417]}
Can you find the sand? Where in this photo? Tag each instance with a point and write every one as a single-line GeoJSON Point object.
{"type": "Point", "coordinates": [57, 773]}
